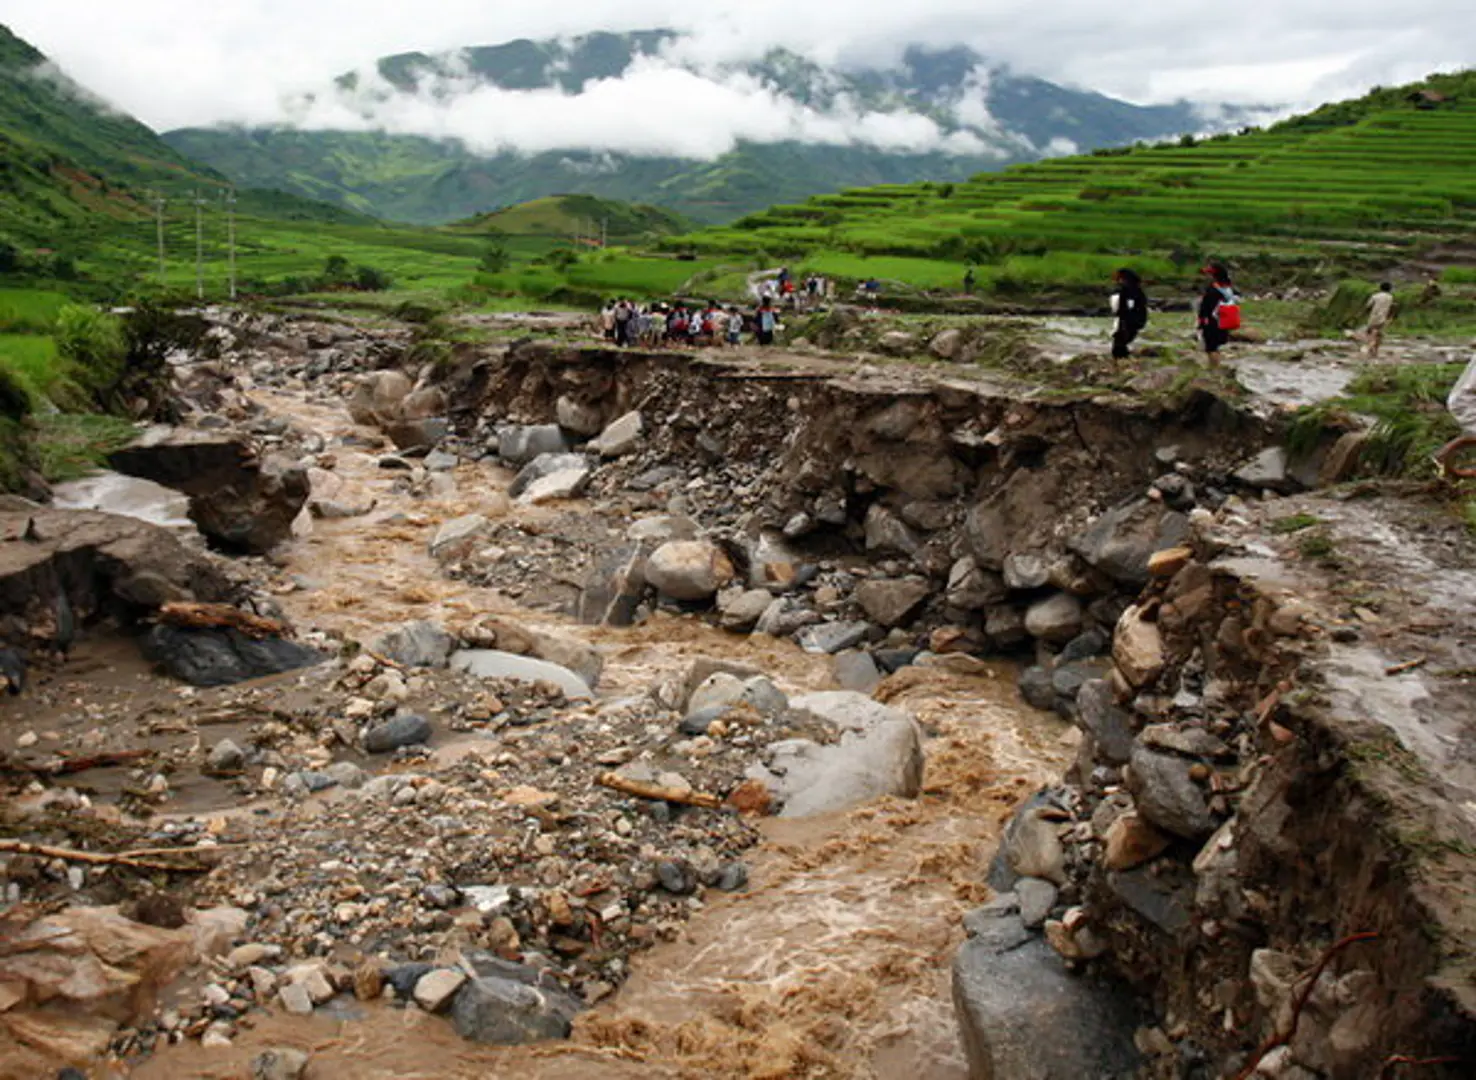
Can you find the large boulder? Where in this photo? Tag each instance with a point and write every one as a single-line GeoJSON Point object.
{"type": "Point", "coordinates": [621, 437]}
{"type": "Point", "coordinates": [1023, 1016]}
{"type": "Point", "coordinates": [1056, 619]}
{"type": "Point", "coordinates": [513, 1008]}
{"type": "Point", "coordinates": [568, 652]}
{"type": "Point", "coordinates": [455, 539]}
{"type": "Point", "coordinates": [689, 569]}
{"type": "Point", "coordinates": [223, 657]}
{"type": "Point", "coordinates": [520, 445]}
{"type": "Point", "coordinates": [238, 500]}
{"type": "Point", "coordinates": [60, 569]}
{"type": "Point", "coordinates": [1166, 794]}
{"type": "Point", "coordinates": [546, 465]}
{"type": "Point", "coordinates": [494, 664]}
{"type": "Point", "coordinates": [879, 753]}
{"type": "Point", "coordinates": [378, 396]}
{"type": "Point", "coordinates": [576, 416]}
{"type": "Point", "coordinates": [1121, 541]}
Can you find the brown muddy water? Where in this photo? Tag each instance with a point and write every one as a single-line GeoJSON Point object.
{"type": "Point", "coordinates": [834, 963]}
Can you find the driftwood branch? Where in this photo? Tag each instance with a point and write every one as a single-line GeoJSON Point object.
{"type": "Point", "coordinates": [657, 793]}
{"type": "Point", "coordinates": [1281, 1038]}
{"type": "Point", "coordinates": [194, 616]}
{"type": "Point", "coordinates": [134, 860]}
{"type": "Point", "coordinates": [1408, 665]}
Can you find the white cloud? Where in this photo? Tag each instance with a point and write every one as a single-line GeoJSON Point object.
{"type": "Point", "coordinates": [177, 62]}
{"type": "Point", "coordinates": [656, 108]}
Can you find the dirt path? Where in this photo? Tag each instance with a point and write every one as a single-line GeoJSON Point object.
{"type": "Point", "coordinates": [833, 963]}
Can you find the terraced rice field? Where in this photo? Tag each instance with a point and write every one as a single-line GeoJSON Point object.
{"type": "Point", "coordinates": [1381, 177]}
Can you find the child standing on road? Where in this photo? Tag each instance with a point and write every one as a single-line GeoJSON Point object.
{"type": "Point", "coordinates": [1380, 314]}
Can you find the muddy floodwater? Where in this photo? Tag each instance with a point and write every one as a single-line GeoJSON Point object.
{"type": "Point", "coordinates": [835, 960]}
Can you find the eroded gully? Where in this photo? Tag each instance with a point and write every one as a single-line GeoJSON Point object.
{"type": "Point", "coordinates": [835, 960]}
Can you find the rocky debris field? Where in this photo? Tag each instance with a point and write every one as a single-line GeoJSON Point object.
{"type": "Point", "coordinates": [424, 726]}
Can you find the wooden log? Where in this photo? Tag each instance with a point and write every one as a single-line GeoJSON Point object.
{"type": "Point", "coordinates": [100, 858]}
{"type": "Point", "coordinates": [193, 616]}
{"type": "Point", "coordinates": [658, 793]}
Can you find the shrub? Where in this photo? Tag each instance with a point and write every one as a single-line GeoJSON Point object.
{"type": "Point", "coordinates": [94, 345]}
{"type": "Point", "coordinates": [372, 279]}
{"type": "Point", "coordinates": [494, 260]}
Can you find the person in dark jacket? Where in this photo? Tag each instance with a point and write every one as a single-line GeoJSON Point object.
{"type": "Point", "coordinates": [1219, 291]}
{"type": "Point", "coordinates": [1130, 305]}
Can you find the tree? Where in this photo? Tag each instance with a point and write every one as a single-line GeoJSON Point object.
{"type": "Point", "coordinates": [372, 279]}
{"type": "Point", "coordinates": [336, 269]}
{"type": "Point", "coordinates": [495, 259]}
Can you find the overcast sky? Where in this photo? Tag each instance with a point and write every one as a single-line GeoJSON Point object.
{"type": "Point", "coordinates": [176, 63]}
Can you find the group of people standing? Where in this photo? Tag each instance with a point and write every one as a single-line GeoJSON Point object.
{"type": "Point", "coordinates": [1218, 312]}
{"type": "Point", "coordinates": [804, 295]}
{"type": "Point", "coordinates": [653, 326]}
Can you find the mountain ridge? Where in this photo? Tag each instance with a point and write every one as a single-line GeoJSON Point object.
{"type": "Point", "coordinates": [965, 116]}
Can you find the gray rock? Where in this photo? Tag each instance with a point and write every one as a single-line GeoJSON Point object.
{"type": "Point", "coordinates": [456, 536]}
{"type": "Point", "coordinates": [726, 690]}
{"type": "Point", "coordinates": [565, 484]}
{"type": "Point", "coordinates": [897, 343]}
{"type": "Point", "coordinates": [1164, 899]}
{"type": "Point", "coordinates": [1167, 795]}
{"type": "Point", "coordinates": [1037, 896]}
{"type": "Point", "coordinates": [741, 613]}
{"type": "Point", "coordinates": [892, 661]}
{"type": "Point", "coordinates": [435, 989]}
{"type": "Point", "coordinates": [404, 730]}
{"type": "Point", "coordinates": [346, 774]}
{"type": "Point", "coordinates": [886, 533]}
{"type": "Point", "coordinates": [1056, 619]}
{"type": "Point", "coordinates": [998, 925]}
{"type": "Point", "coordinates": [1268, 469]}
{"type": "Point", "coordinates": [1120, 542]}
{"type": "Point", "coordinates": [988, 533]}
{"type": "Point", "coordinates": [676, 877]}
{"type": "Point", "coordinates": [732, 877]}
{"type": "Point", "coordinates": [440, 461]}
{"type": "Point", "coordinates": [1189, 741]}
{"type": "Point", "coordinates": [519, 445]}
{"type": "Point", "coordinates": [578, 417]}
{"type": "Point", "coordinates": [544, 466]}
{"type": "Point", "coordinates": [621, 437]}
{"type": "Point", "coordinates": [279, 1063]}
{"type": "Point", "coordinates": [1026, 844]}
{"type": "Point", "coordinates": [892, 603]}
{"type": "Point", "coordinates": [1084, 646]}
{"type": "Point", "coordinates": [422, 644]}
{"type": "Point", "coordinates": [1068, 679]}
{"type": "Point", "coordinates": [946, 344]}
{"type": "Point", "coordinates": [1035, 687]}
{"type": "Point", "coordinates": [225, 756]}
{"type": "Point", "coordinates": [1005, 626]}
{"type": "Point", "coordinates": [689, 569]}
{"type": "Point", "coordinates": [211, 657]}
{"type": "Point", "coordinates": [505, 1011]}
{"type": "Point", "coordinates": [493, 664]}
{"type": "Point", "coordinates": [856, 670]}
{"type": "Point", "coordinates": [1026, 571]}
{"type": "Point", "coordinates": [879, 753]}
{"type": "Point", "coordinates": [1024, 1017]}
{"type": "Point", "coordinates": [1110, 726]}
{"type": "Point", "coordinates": [833, 637]}
{"type": "Point", "coordinates": [662, 528]}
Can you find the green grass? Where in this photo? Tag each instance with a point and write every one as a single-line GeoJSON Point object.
{"type": "Point", "coordinates": [70, 446]}
{"type": "Point", "coordinates": [1294, 523]}
{"type": "Point", "coordinates": [34, 362]}
{"type": "Point", "coordinates": [30, 311]}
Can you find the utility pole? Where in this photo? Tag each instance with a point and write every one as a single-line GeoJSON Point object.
{"type": "Point", "coordinates": [199, 247]}
{"type": "Point", "coordinates": [159, 222]}
{"type": "Point", "coordinates": [230, 205]}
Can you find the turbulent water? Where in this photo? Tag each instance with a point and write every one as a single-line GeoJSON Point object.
{"type": "Point", "coordinates": [834, 963]}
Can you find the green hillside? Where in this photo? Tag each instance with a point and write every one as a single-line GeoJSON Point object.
{"type": "Point", "coordinates": [1359, 184]}
{"type": "Point", "coordinates": [567, 217]}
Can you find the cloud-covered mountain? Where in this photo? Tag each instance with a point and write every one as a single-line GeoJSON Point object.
{"type": "Point", "coordinates": [645, 115]}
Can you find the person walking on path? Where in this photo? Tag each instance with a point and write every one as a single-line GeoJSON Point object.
{"type": "Point", "coordinates": [766, 319]}
{"type": "Point", "coordinates": [1130, 305]}
{"type": "Point", "coordinates": [1380, 314]}
{"type": "Point", "coordinates": [735, 326]}
{"type": "Point", "coordinates": [1462, 406]}
{"type": "Point", "coordinates": [1219, 312]}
